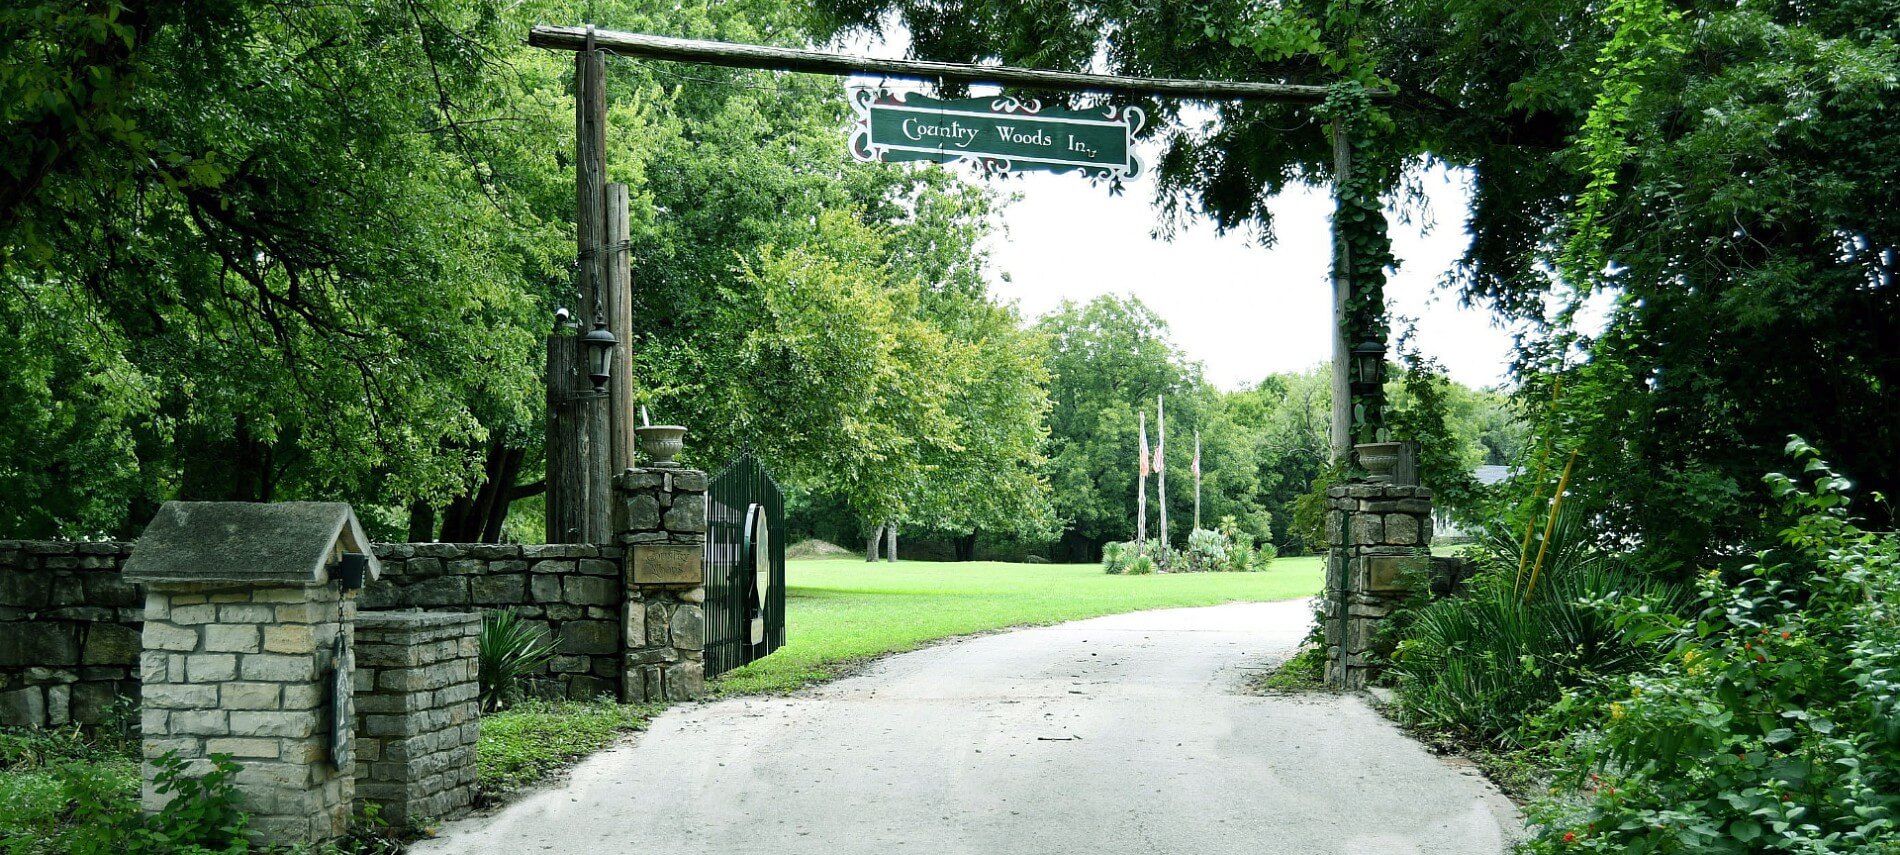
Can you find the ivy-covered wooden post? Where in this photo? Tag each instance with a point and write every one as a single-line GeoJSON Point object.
{"type": "Point", "coordinates": [1362, 251]}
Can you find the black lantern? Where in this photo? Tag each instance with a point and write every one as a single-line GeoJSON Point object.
{"type": "Point", "coordinates": [600, 352]}
{"type": "Point", "coordinates": [1368, 367]}
{"type": "Point", "coordinates": [350, 572]}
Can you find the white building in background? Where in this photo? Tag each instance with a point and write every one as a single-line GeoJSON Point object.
{"type": "Point", "coordinates": [1443, 528]}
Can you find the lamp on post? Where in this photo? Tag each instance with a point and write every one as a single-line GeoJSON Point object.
{"type": "Point", "coordinates": [1368, 368]}
{"type": "Point", "coordinates": [600, 350]}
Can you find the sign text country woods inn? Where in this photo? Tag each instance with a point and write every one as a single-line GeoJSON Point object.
{"type": "Point", "coordinates": [997, 133]}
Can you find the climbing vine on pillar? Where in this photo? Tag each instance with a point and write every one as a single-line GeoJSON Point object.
{"type": "Point", "coordinates": [1360, 229]}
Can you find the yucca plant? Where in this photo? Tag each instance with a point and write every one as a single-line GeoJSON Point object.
{"type": "Point", "coordinates": [509, 649]}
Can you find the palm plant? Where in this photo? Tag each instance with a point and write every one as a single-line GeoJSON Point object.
{"type": "Point", "coordinates": [509, 649]}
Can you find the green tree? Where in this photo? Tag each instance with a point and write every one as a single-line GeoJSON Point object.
{"type": "Point", "coordinates": [1724, 168]}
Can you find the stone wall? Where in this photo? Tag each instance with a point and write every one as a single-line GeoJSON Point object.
{"type": "Point", "coordinates": [1377, 532]}
{"type": "Point", "coordinates": [574, 593]}
{"type": "Point", "coordinates": [416, 714]}
{"type": "Point", "coordinates": [69, 624]}
{"type": "Point", "coordinates": [69, 633]}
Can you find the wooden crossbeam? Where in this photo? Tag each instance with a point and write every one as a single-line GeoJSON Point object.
{"type": "Point", "coordinates": [825, 62]}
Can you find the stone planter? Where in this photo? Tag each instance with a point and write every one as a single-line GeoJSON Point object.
{"type": "Point", "coordinates": [660, 443]}
{"type": "Point", "coordinates": [1379, 460]}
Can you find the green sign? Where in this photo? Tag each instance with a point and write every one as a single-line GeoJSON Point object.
{"type": "Point", "coordinates": [997, 134]}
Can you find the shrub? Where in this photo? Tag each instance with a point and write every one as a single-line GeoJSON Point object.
{"type": "Point", "coordinates": [1482, 664]}
{"type": "Point", "coordinates": [1115, 557]}
{"type": "Point", "coordinates": [1141, 565]}
{"type": "Point", "coordinates": [1265, 555]}
{"type": "Point", "coordinates": [1240, 555]}
{"type": "Point", "coordinates": [203, 816]}
{"type": "Point", "coordinates": [1207, 550]}
{"type": "Point", "coordinates": [1773, 725]}
{"type": "Point", "coordinates": [508, 650]}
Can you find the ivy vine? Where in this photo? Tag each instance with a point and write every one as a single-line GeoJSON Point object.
{"type": "Point", "coordinates": [1359, 228]}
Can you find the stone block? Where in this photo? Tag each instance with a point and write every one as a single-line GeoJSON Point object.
{"type": "Point", "coordinates": [232, 638]}
{"type": "Point", "coordinates": [609, 567]}
{"type": "Point", "coordinates": [294, 724]}
{"type": "Point", "coordinates": [302, 696]}
{"type": "Point", "coordinates": [1401, 529]}
{"type": "Point", "coordinates": [1366, 529]}
{"type": "Point", "coordinates": [244, 747]}
{"type": "Point", "coordinates": [689, 627]}
{"type": "Point", "coordinates": [200, 722]}
{"type": "Point", "coordinates": [93, 701]}
{"type": "Point", "coordinates": [248, 613]}
{"type": "Point", "coordinates": [27, 589]}
{"type": "Point", "coordinates": [687, 514]}
{"type": "Point", "coordinates": [210, 667]}
{"type": "Point", "coordinates": [442, 591]}
{"type": "Point", "coordinates": [111, 644]}
{"type": "Point", "coordinates": [39, 644]}
{"type": "Point", "coordinates": [643, 512]}
{"type": "Point", "coordinates": [468, 567]}
{"type": "Point", "coordinates": [589, 636]}
{"type": "Point", "coordinates": [545, 587]}
{"type": "Point", "coordinates": [289, 638]}
{"type": "Point", "coordinates": [23, 707]}
{"type": "Point", "coordinates": [194, 614]}
{"type": "Point", "coordinates": [634, 628]}
{"type": "Point", "coordinates": [249, 696]}
{"type": "Point", "coordinates": [278, 668]}
{"type": "Point", "coordinates": [499, 590]}
{"type": "Point", "coordinates": [305, 612]}
{"type": "Point", "coordinates": [590, 591]}
{"type": "Point", "coordinates": [657, 621]}
{"type": "Point", "coordinates": [688, 481]}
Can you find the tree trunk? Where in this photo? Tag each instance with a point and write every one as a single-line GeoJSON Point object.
{"type": "Point", "coordinates": [421, 521]}
{"type": "Point", "coordinates": [871, 546]}
{"type": "Point", "coordinates": [966, 547]}
{"type": "Point", "coordinates": [890, 530]}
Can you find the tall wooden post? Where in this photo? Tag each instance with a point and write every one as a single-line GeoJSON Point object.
{"type": "Point", "coordinates": [620, 416]}
{"type": "Point", "coordinates": [1342, 298]}
{"type": "Point", "coordinates": [580, 446]}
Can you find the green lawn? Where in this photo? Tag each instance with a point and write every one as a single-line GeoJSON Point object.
{"type": "Point", "coordinates": [842, 611]}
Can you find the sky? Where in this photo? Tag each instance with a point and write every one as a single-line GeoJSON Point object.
{"type": "Point", "coordinates": [1243, 310]}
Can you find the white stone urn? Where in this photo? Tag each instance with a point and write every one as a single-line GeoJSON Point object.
{"type": "Point", "coordinates": [660, 442]}
{"type": "Point", "coordinates": [1379, 460]}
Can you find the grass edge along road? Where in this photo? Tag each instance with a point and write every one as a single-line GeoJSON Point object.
{"type": "Point", "coordinates": [843, 612]}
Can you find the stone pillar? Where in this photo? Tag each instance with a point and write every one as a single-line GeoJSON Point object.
{"type": "Point", "coordinates": [663, 527]}
{"type": "Point", "coordinates": [1376, 532]}
{"type": "Point", "coordinates": [246, 653]}
{"type": "Point", "coordinates": [417, 719]}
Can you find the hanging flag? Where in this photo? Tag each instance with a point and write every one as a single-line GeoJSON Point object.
{"type": "Point", "coordinates": [1144, 445]}
{"type": "Point", "coordinates": [1160, 428]}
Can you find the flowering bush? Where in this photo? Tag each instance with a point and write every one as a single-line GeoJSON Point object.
{"type": "Point", "coordinates": [1773, 725]}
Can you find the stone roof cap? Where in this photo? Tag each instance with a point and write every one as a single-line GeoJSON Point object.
{"type": "Point", "coordinates": [285, 542]}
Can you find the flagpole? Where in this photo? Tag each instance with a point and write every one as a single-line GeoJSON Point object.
{"type": "Point", "coordinates": [1197, 478]}
{"type": "Point", "coordinates": [1161, 473]}
{"type": "Point", "coordinates": [1141, 486]}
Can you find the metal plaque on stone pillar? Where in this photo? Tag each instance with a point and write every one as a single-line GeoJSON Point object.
{"type": "Point", "coordinates": [342, 705]}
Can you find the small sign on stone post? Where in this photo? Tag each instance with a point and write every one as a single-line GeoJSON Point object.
{"type": "Point", "coordinates": [247, 654]}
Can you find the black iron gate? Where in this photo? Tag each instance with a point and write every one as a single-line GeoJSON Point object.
{"type": "Point", "coordinates": [745, 566]}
